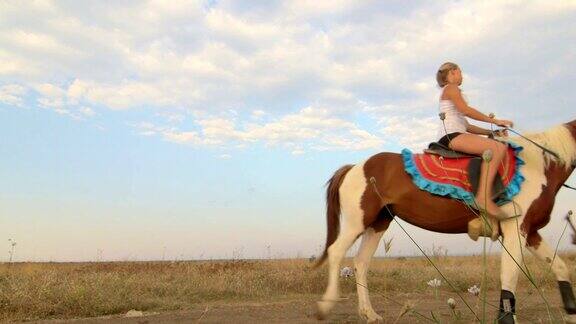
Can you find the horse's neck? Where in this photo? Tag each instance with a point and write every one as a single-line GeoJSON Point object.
{"type": "Point", "coordinates": [557, 175]}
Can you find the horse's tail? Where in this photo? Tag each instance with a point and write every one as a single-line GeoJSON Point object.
{"type": "Point", "coordinates": [333, 210]}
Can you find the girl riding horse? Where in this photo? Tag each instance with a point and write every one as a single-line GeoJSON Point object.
{"type": "Point", "coordinates": [459, 135]}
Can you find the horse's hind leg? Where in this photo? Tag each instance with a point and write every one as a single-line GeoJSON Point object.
{"type": "Point", "coordinates": [370, 240]}
{"type": "Point", "coordinates": [351, 228]}
{"type": "Point", "coordinates": [336, 253]}
{"type": "Point", "coordinates": [542, 251]}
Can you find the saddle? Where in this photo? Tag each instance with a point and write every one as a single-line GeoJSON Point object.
{"type": "Point", "coordinates": [445, 172]}
{"type": "Point", "coordinates": [474, 164]}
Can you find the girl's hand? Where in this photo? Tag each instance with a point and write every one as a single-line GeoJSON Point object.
{"type": "Point", "coordinates": [503, 123]}
{"type": "Point", "coordinates": [501, 133]}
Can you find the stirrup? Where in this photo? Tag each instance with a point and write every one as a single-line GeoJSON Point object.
{"type": "Point", "coordinates": [476, 229]}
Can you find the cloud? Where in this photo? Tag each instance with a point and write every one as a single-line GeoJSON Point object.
{"type": "Point", "coordinates": [413, 133]}
{"type": "Point", "coordinates": [87, 111]}
{"type": "Point", "coordinates": [57, 99]}
{"type": "Point", "coordinates": [14, 66]}
{"type": "Point", "coordinates": [124, 95]}
{"type": "Point", "coordinates": [298, 151]}
{"type": "Point", "coordinates": [12, 95]}
{"type": "Point", "coordinates": [349, 56]}
{"type": "Point", "coordinates": [313, 128]}
{"type": "Point", "coordinates": [257, 114]}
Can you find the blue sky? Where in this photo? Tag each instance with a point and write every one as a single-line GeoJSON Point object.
{"type": "Point", "coordinates": [206, 129]}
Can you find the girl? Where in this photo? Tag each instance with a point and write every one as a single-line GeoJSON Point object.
{"type": "Point", "coordinates": [461, 136]}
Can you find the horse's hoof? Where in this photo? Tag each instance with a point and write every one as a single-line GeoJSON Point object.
{"type": "Point", "coordinates": [506, 318]}
{"type": "Point", "coordinates": [570, 318]}
{"type": "Point", "coordinates": [375, 318]}
{"type": "Point", "coordinates": [322, 309]}
{"type": "Point", "coordinates": [371, 316]}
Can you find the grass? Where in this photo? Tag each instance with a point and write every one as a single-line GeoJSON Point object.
{"type": "Point", "coordinates": [31, 291]}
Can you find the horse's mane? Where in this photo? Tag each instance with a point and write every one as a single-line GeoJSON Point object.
{"type": "Point", "coordinates": [558, 139]}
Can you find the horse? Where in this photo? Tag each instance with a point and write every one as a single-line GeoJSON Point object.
{"type": "Point", "coordinates": [359, 206]}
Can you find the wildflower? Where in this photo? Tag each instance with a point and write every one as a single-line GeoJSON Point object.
{"type": "Point", "coordinates": [474, 290]}
{"type": "Point", "coordinates": [435, 283]}
{"type": "Point", "coordinates": [346, 272]}
{"type": "Point", "coordinates": [452, 303]}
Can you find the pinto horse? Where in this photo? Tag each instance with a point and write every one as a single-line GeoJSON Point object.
{"type": "Point", "coordinates": [368, 208]}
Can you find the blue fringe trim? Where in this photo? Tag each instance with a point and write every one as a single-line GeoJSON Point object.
{"type": "Point", "coordinates": [513, 187]}
{"type": "Point", "coordinates": [455, 192]}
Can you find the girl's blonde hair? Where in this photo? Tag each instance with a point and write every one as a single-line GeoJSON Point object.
{"type": "Point", "coordinates": [443, 72]}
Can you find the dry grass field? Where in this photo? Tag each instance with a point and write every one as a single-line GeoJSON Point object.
{"type": "Point", "coordinates": [244, 290]}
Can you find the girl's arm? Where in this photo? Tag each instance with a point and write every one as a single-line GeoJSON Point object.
{"type": "Point", "coordinates": [453, 93]}
{"type": "Point", "coordinates": [473, 129]}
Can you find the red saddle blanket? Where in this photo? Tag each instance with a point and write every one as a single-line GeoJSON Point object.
{"type": "Point", "coordinates": [454, 171]}
{"type": "Point", "coordinates": [449, 176]}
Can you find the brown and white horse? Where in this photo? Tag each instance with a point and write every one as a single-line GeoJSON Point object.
{"type": "Point", "coordinates": [365, 214]}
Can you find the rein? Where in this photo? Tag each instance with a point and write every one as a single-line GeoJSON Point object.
{"type": "Point", "coordinates": [554, 154]}
{"type": "Point", "coordinates": [546, 150]}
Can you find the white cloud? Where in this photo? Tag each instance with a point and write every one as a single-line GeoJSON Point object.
{"type": "Point", "coordinates": [319, 7]}
{"type": "Point", "coordinates": [172, 117]}
{"type": "Point", "coordinates": [124, 95]}
{"type": "Point", "coordinates": [59, 100]}
{"type": "Point", "coordinates": [227, 24]}
{"type": "Point", "coordinates": [38, 42]}
{"type": "Point", "coordinates": [351, 56]}
{"type": "Point", "coordinates": [257, 114]}
{"type": "Point", "coordinates": [413, 133]}
{"type": "Point", "coordinates": [298, 151]}
{"type": "Point", "coordinates": [12, 94]}
{"type": "Point", "coordinates": [311, 127]}
{"type": "Point", "coordinates": [12, 65]}
{"type": "Point", "coordinates": [50, 91]}
{"type": "Point", "coordinates": [87, 111]}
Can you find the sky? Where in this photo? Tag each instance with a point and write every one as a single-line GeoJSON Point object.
{"type": "Point", "coordinates": [146, 130]}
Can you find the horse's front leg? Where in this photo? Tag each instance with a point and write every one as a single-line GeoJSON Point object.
{"type": "Point", "coordinates": [511, 261]}
{"type": "Point", "coordinates": [542, 251]}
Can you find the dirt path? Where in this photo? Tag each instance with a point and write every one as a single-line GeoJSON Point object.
{"type": "Point", "coordinates": [531, 309]}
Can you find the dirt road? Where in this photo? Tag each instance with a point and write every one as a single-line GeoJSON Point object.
{"type": "Point", "coordinates": [531, 309]}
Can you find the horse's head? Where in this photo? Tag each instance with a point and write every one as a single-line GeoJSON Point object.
{"type": "Point", "coordinates": [572, 127]}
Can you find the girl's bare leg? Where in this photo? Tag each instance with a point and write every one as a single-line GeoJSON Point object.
{"type": "Point", "coordinates": [475, 144]}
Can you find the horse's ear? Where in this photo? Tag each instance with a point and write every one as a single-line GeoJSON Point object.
{"type": "Point", "coordinates": [572, 126]}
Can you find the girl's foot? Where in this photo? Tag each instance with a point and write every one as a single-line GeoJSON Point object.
{"type": "Point", "coordinates": [490, 208]}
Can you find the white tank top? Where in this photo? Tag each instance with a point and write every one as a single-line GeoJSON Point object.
{"type": "Point", "coordinates": [455, 121]}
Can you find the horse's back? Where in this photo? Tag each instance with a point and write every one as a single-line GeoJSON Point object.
{"type": "Point", "coordinates": [418, 207]}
